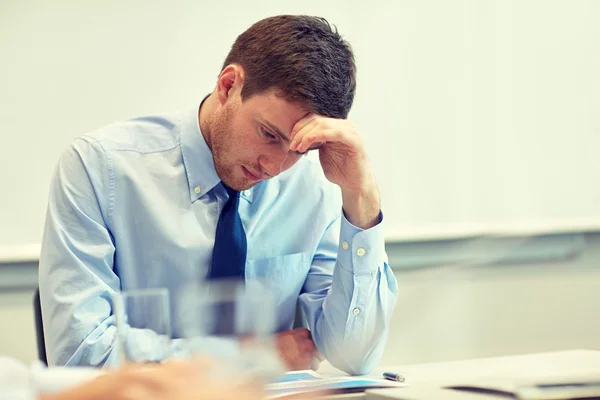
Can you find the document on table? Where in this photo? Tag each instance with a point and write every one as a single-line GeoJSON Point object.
{"type": "Point", "coordinates": [298, 382]}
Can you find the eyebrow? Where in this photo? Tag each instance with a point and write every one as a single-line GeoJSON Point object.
{"type": "Point", "coordinates": [273, 128]}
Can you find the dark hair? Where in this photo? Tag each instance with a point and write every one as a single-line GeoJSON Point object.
{"type": "Point", "coordinates": [303, 57]}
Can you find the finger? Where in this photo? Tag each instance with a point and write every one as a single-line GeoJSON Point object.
{"type": "Point", "coordinates": [298, 126]}
{"type": "Point", "coordinates": [303, 332]}
{"type": "Point", "coordinates": [305, 360]}
{"type": "Point", "coordinates": [301, 133]}
{"type": "Point", "coordinates": [308, 346]}
{"type": "Point", "coordinates": [315, 363]}
{"type": "Point", "coordinates": [302, 362]}
{"type": "Point", "coordinates": [305, 138]}
{"type": "Point", "coordinates": [320, 136]}
{"type": "Point", "coordinates": [317, 354]}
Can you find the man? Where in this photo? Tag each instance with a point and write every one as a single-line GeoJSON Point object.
{"type": "Point", "coordinates": [211, 193]}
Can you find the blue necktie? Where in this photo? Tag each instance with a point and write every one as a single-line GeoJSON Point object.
{"type": "Point", "coordinates": [229, 252]}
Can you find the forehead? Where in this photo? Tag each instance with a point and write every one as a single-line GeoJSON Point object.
{"type": "Point", "coordinates": [275, 110]}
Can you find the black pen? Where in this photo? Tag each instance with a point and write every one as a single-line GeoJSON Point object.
{"type": "Point", "coordinates": [392, 376]}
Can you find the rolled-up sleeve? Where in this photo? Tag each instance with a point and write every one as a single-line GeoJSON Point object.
{"type": "Point", "coordinates": [76, 274]}
{"type": "Point", "coordinates": [349, 296]}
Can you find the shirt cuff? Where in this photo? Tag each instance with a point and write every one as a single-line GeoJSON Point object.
{"type": "Point", "coordinates": [361, 251]}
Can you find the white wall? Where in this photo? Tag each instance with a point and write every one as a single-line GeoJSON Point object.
{"type": "Point", "coordinates": [448, 314]}
{"type": "Point", "coordinates": [480, 115]}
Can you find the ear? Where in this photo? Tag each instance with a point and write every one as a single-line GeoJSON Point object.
{"type": "Point", "coordinates": [230, 82]}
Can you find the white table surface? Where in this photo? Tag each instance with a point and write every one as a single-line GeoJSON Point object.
{"type": "Point", "coordinates": [500, 373]}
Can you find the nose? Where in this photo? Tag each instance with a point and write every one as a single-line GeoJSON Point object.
{"type": "Point", "coordinates": [276, 163]}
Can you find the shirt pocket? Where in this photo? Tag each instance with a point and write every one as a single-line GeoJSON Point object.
{"type": "Point", "coordinates": [284, 275]}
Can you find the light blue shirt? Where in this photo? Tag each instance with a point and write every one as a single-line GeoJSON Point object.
{"type": "Point", "coordinates": [135, 205]}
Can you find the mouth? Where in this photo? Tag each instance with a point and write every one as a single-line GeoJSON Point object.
{"type": "Point", "coordinates": [250, 175]}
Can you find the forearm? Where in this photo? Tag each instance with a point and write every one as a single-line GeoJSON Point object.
{"type": "Point", "coordinates": [362, 206]}
{"type": "Point", "coordinates": [350, 323]}
{"type": "Point", "coordinates": [100, 346]}
{"type": "Point", "coordinates": [352, 335]}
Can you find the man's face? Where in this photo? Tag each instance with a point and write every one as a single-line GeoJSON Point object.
{"type": "Point", "coordinates": [250, 139]}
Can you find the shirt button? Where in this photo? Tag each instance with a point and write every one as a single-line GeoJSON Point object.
{"type": "Point", "coordinates": [356, 311]}
{"type": "Point", "coordinates": [345, 245]}
{"type": "Point", "coordinates": [361, 252]}
{"type": "Point", "coordinates": [246, 193]}
{"type": "Point", "coordinates": [197, 190]}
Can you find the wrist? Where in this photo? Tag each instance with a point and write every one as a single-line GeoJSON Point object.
{"type": "Point", "coordinates": [362, 207]}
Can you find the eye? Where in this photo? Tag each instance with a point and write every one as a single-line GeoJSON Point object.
{"type": "Point", "coordinates": [269, 135]}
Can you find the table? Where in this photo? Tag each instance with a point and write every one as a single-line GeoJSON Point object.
{"type": "Point", "coordinates": [496, 373]}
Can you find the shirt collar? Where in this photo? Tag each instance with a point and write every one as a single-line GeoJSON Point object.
{"type": "Point", "coordinates": [197, 158]}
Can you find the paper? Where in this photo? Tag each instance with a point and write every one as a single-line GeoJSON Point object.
{"type": "Point", "coordinates": [294, 383]}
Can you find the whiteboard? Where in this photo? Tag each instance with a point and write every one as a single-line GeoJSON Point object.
{"type": "Point", "coordinates": [480, 116]}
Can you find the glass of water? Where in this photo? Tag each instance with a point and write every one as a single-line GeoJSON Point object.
{"type": "Point", "coordinates": [143, 319]}
{"type": "Point", "coordinates": [232, 321]}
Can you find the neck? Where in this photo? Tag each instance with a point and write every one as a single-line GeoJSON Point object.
{"type": "Point", "coordinates": [204, 117]}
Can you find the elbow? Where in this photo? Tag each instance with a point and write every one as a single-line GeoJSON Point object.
{"type": "Point", "coordinates": [354, 356]}
{"type": "Point", "coordinates": [357, 369]}
{"type": "Point", "coordinates": [353, 361]}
